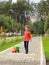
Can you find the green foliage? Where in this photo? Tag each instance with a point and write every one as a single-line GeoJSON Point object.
{"type": "Point", "coordinates": [17, 12]}
{"type": "Point", "coordinates": [20, 8]}
{"type": "Point", "coordinates": [16, 9]}
{"type": "Point", "coordinates": [47, 32]}
{"type": "Point", "coordinates": [7, 7]}
{"type": "Point", "coordinates": [18, 26]}
{"type": "Point", "coordinates": [43, 7]}
{"type": "Point", "coordinates": [46, 25]}
{"type": "Point", "coordinates": [37, 27]}
{"type": "Point", "coordinates": [9, 23]}
{"type": "Point", "coordinates": [1, 20]}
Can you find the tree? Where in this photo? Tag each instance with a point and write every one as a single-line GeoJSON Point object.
{"type": "Point", "coordinates": [20, 8]}
{"type": "Point", "coordinates": [47, 32]}
{"type": "Point", "coordinates": [7, 7]}
{"type": "Point", "coordinates": [1, 7]}
{"type": "Point", "coordinates": [17, 9]}
{"type": "Point", "coordinates": [46, 25]}
{"type": "Point", "coordinates": [14, 13]}
{"type": "Point", "coordinates": [37, 27]}
{"type": "Point", "coordinates": [9, 23]}
{"type": "Point", "coordinates": [43, 7]}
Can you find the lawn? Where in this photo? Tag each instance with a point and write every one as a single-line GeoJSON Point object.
{"type": "Point", "coordinates": [46, 46]}
{"type": "Point", "coordinates": [8, 45]}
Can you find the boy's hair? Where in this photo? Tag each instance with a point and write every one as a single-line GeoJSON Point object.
{"type": "Point", "coordinates": [27, 26]}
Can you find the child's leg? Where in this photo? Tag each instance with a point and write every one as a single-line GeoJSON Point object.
{"type": "Point", "coordinates": [27, 46]}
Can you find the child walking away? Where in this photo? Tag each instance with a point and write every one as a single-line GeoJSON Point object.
{"type": "Point", "coordinates": [27, 38]}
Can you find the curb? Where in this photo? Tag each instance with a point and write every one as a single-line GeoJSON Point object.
{"type": "Point", "coordinates": [43, 59]}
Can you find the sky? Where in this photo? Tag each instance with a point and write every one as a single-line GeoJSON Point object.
{"type": "Point", "coordinates": [36, 1]}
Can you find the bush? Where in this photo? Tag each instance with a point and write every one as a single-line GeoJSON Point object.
{"type": "Point", "coordinates": [9, 24]}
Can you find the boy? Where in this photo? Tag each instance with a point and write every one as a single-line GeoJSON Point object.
{"type": "Point", "coordinates": [27, 37]}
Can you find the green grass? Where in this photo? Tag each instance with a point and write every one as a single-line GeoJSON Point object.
{"type": "Point", "coordinates": [8, 45]}
{"type": "Point", "coordinates": [46, 46]}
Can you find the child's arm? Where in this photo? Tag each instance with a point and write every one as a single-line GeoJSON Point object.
{"type": "Point", "coordinates": [30, 37]}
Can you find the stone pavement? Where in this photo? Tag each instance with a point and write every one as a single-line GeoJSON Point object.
{"type": "Point", "coordinates": [35, 57]}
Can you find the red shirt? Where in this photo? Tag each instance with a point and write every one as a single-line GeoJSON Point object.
{"type": "Point", "coordinates": [27, 35]}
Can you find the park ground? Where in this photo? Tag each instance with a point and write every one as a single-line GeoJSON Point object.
{"type": "Point", "coordinates": [32, 58]}
{"type": "Point", "coordinates": [45, 46]}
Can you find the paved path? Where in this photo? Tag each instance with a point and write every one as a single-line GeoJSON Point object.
{"type": "Point", "coordinates": [33, 58]}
